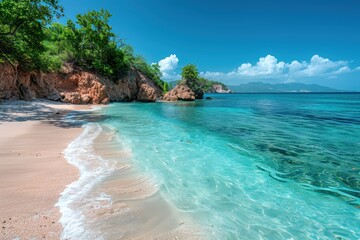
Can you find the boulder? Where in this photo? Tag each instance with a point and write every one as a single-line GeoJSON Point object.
{"type": "Point", "coordinates": [54, 97]}
{"type": "Point", "coordinates": [134, 86]}
{"type": "Point", "coordinates": [148, 91]}
{"type": "Point", "coordinates": [89, 87]}
{"type": "Point", "coordinates": [71, 97]}
{"type": "Point", "coordinates": [180, 92]}
{"type": "Point", "coordinates": [85, 98]}
{"type": "Point", "coordinates": [105, 101]}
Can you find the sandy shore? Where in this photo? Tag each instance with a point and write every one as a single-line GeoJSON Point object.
{"type": "Point", "coordinates": [33, 171]}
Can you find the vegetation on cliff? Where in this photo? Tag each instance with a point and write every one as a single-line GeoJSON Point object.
{"type": "Point", "coordinates": [208, 85]}
{"type": "Point", "coordinates": [31, 40]}
{"type": "Point", "coordinates": [22, 31]}
{"type": "Point", "coordinates": [190, 76]}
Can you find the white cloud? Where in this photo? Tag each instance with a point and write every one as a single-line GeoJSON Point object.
{"type": "Point", "coordinates": [295, 66]}
{"type": "Point", "coordinates": [168, 66]}
{"type": "Point", "coordinates": [265, 66]}
{"type": "Point", "coordinates": [319, 65]}
{"type": "Point", "coordinates": [343, 70]}
{"type": "Point", "coordinates": [270, 68]}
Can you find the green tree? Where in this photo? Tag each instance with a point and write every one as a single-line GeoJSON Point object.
{"type": "Point", "coordinates": [189, 73]}
{"type": "Point", "coordinates": [29, 39]}
{"type": "Point", "coordinates": [94, 44]}
{"type": "Point", "coordinates": [166, 87]}
{"type": "Point", "coordinates": [27, 16]}
{"type": "Point", "coordinates": [58, 42]}
{"type": "Point", "coordinates": [22, 30]}
{"type": "Point", "coordinates": [151, 71]}
{"type": "Point", "coordinates": [207, 85]}
{"type": "Point", "coordinates": [190, 77]}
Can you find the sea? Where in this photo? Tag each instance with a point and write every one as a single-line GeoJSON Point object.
{"type": "Point", "coordinates": [236, 166]}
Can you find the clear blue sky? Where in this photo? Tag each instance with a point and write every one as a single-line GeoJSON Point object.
{"type": "Point", "coordinates": [309, 41]}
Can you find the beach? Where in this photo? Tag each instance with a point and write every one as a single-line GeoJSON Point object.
{"type": "Point", "coordinates": [65, 176]}
{"type": "Point", "coordinates": [236, 167]}
{"type": "Point", "coordinates": [33, 171]}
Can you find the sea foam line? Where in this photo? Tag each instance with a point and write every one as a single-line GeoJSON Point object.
{"type": "Point", "coordinates": [93, 169]}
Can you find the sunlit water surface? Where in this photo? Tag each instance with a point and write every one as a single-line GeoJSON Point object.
{"type": "Point", "coordinates": [252, 166]}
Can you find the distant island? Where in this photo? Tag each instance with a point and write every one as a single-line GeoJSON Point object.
{"type": "Point", "coordinates": [208, 86]}
{"type": "Point", "coordinates": [260, 87]}
{"type": "Point", "coordinates": [192, 86]}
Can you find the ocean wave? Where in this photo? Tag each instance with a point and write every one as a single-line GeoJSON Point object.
{"type": "Point", "coordinates": [93, 169]}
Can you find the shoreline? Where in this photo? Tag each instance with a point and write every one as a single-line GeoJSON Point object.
{"type": "Point", "coordinates": [33, 170]}
{"type": "Point", "coordinates": [43, 175]}
{"type": "Point", "coordinates": [112, 199]}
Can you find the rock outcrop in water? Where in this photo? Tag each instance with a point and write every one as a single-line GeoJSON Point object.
{"type": "Point", "coordinates": [75, 86]}
{"type": "Point", "coordinates": [180, 92]}
{"type": "Point", "coordinates": [199, 93]}
{"type": "Point", "coordinates": [219, 88]}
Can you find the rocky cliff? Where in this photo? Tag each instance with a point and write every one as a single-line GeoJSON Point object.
{"type": "Point", "coordinates": [75, 86]}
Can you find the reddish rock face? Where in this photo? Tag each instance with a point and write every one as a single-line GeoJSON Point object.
{"type": "Point", "coordinates": [135, 86]}
{"type": "Point", "coordinates": [8, 88]}
{"type": "Point", "coordinates": [16, 84]}
{"type": "Point", "coordinates": [77, 87]}
{"type": "Point", "coordinates": [89, 88]}
{"type": "Point", "coordinates": [148, 91]}
{"type": "Point", "coordinates": [180, 92]}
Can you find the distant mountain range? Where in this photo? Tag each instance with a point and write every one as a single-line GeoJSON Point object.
{"type": "Point", "coordinates": [260, 87]}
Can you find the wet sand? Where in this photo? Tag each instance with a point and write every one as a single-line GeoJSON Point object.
{"type": "Point", "coordinates": [137, 209]}
{"type": "Point", "coordinates": [33, 171]}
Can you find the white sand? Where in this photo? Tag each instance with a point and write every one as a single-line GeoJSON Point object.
{"type": "Point", "coordinates": [33, 171]}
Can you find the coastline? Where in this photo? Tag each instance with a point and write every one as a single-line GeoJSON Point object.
{"type": "Point", "coordinates": [195, 181]}
{"type": "Point", "coordinates": [33, 171]}
{"type": "Point", "coordinates": [112, 199]}
{"type": "Point", "coordinates": [51, 190]}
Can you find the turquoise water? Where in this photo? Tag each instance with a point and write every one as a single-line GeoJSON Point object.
{"type": "Point", "coordinates": [252, 166]}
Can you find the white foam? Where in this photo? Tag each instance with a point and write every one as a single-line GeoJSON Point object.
{"type": "Point", "coordinates": [103, 200]}
{"type": "Point", "coordinates": [97, 107]}
{"type": "Point", "coordinates": [93, 169]}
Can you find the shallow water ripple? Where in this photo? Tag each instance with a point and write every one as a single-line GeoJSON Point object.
{"type": "Point", "coordinates": [253, 166]}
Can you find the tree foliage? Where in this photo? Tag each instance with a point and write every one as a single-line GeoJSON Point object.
{"type": "Point", "coordinates": [190, 77]}
{"type": "Point", "coordinates": [29, 38]}
{"type": "Point", "coordinates": [199, 85]}
{"type": "Point", "coordinates": [138, 62]}
{"type": "Point", "coordinates": [27, 17]}
{"type": "Point", "coordinates": [207, 85]}
{"type": "Point", "coordinates": [22, 30]}
{"type": "Point", "coordinates": [94, 45]}
{"type": "Point", "coordinates": [189, 73]}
